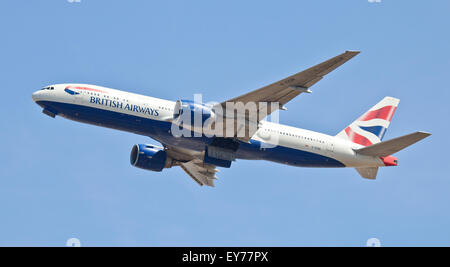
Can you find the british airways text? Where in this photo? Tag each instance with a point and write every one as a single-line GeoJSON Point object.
{"type": "Point", "coordinates": [121, 105]}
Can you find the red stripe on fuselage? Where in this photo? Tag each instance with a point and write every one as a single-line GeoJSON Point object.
{"type": "Point", "coordinates": [86, 88]}
{"type": "Point", "coordinates": [384, 113]}
{"type": "Point", "coordinates": [357, 138]}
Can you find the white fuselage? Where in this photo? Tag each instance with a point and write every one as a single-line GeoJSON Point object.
{"type": "Point", "coordinates": [74, 101]}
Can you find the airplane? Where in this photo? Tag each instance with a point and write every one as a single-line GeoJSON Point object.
{"type": "Point", "coordinates": [358, 145]}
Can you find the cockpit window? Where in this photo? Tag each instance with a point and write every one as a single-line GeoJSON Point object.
{"type": "Point", "coordinates": [48, 88]}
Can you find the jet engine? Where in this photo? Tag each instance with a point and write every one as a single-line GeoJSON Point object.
{"type": "Point", "coordinates": [191, 115]}
{"type": "Point", "coordinates": [150, 158]}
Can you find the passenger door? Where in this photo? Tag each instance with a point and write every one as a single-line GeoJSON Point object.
{"type": "Point", "coordinates": [330, 146]}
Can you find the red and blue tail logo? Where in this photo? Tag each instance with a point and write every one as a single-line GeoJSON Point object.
{"type": "Point", "coordinates": [370, 128]}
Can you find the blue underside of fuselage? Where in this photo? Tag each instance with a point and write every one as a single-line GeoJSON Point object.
{"type": "Point", "coordinates": [160, 131]}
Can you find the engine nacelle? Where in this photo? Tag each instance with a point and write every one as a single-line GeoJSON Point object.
{"type": "Point", "coordinates": [191, 115]}
{"type": "Point", "coordinates": [150, 158]}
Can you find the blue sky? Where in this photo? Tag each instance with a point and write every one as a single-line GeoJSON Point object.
{"type": "Point", "coordinates": [60, 179]}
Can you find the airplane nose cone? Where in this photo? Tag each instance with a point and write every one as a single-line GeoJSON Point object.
{"type": "Point", "coordinates": [35, 96]}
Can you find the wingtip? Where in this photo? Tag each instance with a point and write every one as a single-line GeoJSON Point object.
{"type": "Point", "coordinates": [353, 52]}
{"type": "Point", "coordinates": [426, 134]}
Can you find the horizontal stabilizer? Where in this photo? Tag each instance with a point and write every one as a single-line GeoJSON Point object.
{"type": "Point", "coordinates": [368, 172]}
{"type": "Point", "coordinates": [392, 146]}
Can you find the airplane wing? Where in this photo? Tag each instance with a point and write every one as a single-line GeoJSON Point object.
{"type": "Point", "coordinates": [192, 163]}
{"type": "Point", "coordinates": [283, 91]}
{"type": "Point", "coordinates": [202, 173]}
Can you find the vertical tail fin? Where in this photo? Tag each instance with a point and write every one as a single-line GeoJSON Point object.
{"type": "Point", "coordinates": [370, 128]}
